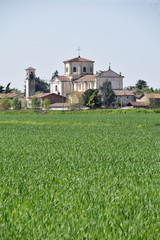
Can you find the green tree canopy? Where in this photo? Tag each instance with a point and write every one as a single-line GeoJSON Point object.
{"type": "Point", "coordinates": [16, 104]}
{"type": "Point", "coordinates": [141, 84]}
{"type": "Point", "coordinates": [94, 100]}
{"type": "Point", "coordinates": [46, 103]}
{"type": "Point", "coordinates": [35, 103]}
{"type": "Point", "coordinates": [1, 89]}
{"type": "Point", "coordinates": [107, 94]}
{"type": "Point", "coordinates": [16, 90]}
{"type": "Point", "coordinates": [5, 103]}
{"type": "Point", "coordinates": [6, 90]}
{"type": "Point", "coordinates": [41, 85]}
{"type": "Point", "coordinates": [55, 74]}
{"type": "Point", "coordinates": [87, 94]}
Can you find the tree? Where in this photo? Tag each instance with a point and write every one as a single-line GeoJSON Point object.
{"type": "Point", "coordinates": [16, 90]}
{"type": "Point", "coordinates": [147, 90]}
{"type": "Point", "coordinates": [41, 85]}
{"type": "Point", "coordinates": [1, 89]}
{"type": "Point", "coordinates": [94, 100]}
{"type": "Point", "coordinates": [5, 103]}
{"type": "Point", "coordinates": [87, 94]}
{"type": "Point", "coordinates": [141, 84]}
{"type": "Point", "coordinates": [107, 94]}
{"type": "Point", "coordinates": [24, 104]}
{"type": "Point", "coordinates": [130, 88]}
{"type": "Point", "coordinates": [35, 103]}
{"type": "Point", "coordinates": [8, 89]}
{"type": "Point", "coordinates": [75, 101]}
{"type": "Point", "coordinates": [46, 103]}
{"type": "Point", "coordinates": [16, 104]}
{"type": "Point", "coordinates": [55, 74]}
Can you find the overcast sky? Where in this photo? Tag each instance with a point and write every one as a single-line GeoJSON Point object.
{"type": "Point", "coordinates": [44, 33]}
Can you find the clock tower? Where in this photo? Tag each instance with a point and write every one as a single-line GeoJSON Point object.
{"type": "Point", "coordinates": [30, 81]}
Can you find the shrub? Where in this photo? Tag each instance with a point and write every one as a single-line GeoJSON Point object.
{"type": "Point", "coordinates": [5, 103]}
{"type": "Point", "coordinates": [35, 103]}
{"type": "Point", "coordinates": [46, 104]}
{"type": "Point", "coordinates": [16, 104]}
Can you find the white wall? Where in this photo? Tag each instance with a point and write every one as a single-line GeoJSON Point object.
{"type": "Point", "coordinates": [79, 68]}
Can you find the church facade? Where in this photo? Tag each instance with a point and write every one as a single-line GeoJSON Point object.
{"type": "Point", "coordinates": [79, 76]}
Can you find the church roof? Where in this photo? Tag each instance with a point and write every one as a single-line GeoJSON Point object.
{"type": "Point", "coordinates": [63, 78]}
{"type": "Point", "coordinates": [110, 72]}
{"type": "Point", "coordinates": [30, 68]}
{"type": "Point", "coordinates": [89, 78]}
{"type": "Point", "coordinates": [78, 59]}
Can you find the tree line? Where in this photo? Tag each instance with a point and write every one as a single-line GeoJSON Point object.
{"type": "Point", "coordinates": [142, 87]}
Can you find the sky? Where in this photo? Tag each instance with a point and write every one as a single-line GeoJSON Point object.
{"type": "Point", "coordinates": [44, 33]}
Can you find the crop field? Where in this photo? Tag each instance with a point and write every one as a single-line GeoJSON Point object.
{"type": "Point", "coordinates": [79, 176]}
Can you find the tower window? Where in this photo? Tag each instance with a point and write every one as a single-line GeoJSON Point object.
{"type": "Point", "coordinates": [55, 88]}
{"type": "Point", "coordinates": [91, 70]}
{"type": "Point", "coordinates": [74, 69]}
{"type": "Point", "coordinates": [84, 69]}
{"type": "Point", "coordinates": [31, 75]}
{"type": "Point", "coordinates": [66, 69]}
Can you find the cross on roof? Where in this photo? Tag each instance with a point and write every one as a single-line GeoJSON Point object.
{"type": "Point", "coordinates": [79, 51]}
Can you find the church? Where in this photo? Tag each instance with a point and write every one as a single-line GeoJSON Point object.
{"type": "Point", "coordinates": [79, 76]}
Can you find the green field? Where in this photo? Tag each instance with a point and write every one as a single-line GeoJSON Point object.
{"type": "Point", "coordinates": [79, 176]}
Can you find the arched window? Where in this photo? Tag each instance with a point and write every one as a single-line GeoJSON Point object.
{"type": "Point", "coordinates": [84, 69]}
{"type": "Point", "coordinates": [74, 69]}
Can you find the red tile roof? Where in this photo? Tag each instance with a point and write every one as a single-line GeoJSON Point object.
{"type": "Point", "coordinates": [63, 78]}
{"type": "Point", "coordinates": [30, 68]}
{"type": "Point", "coordinates": [42, 95]}
{"type": "Point", "coordinates": [150, 95]}
{"type": "Point", "coordinates": [154, 95]}
{"type": "Point", "coordinates": [78, 59]}
{"type": "Point", "coordinates": [58, 105]}
{"type": "Point", "coordinates": [10, 95]}
{"type": "Point", "coordinates": [87, 78]}
{"type": "Point", "coordinates": [137, 104]}
{"type": "Point", "coordinates": [123, 93]}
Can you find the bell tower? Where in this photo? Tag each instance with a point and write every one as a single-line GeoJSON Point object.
{"type": "Point", "coordinates": [30, 81]}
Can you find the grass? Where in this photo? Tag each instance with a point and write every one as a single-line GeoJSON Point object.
{"type": "Point", "coordinates": [79, 176]}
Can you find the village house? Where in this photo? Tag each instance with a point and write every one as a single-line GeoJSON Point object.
{"type": "Point", "coordinates": [123, 97]}
{"type": "Point", "coordinates": [54, 98]}
{"type": "Point", "coordinates": [11, 96]}
{"type": "Point", "coordinates": [150, 99]}
{"type": "Point", "coordinates": [137, 105]}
